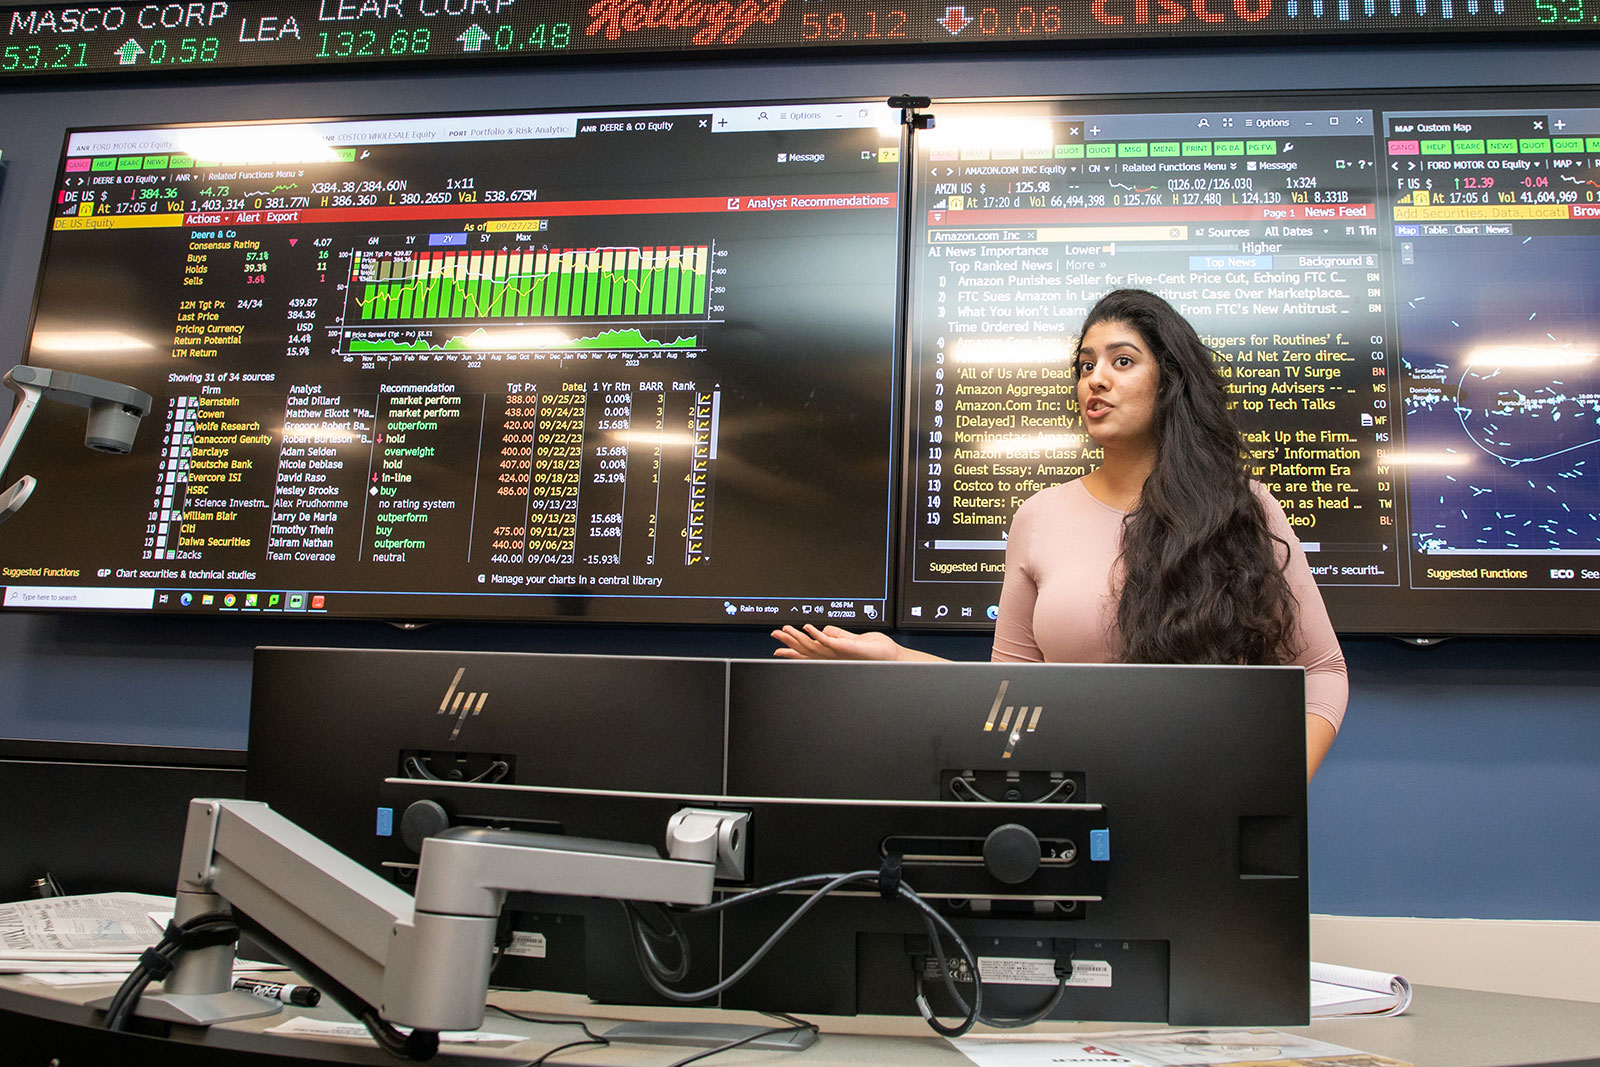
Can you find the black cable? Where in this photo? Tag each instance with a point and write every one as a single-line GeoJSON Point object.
{"type": "Point", "coordinates": [590, 1037]}
{"type": "Point", "coordinates": [932, 921]}
{"type": "Point", "coordinates": [418, 1045]}
{"type": "Point", "coordinates": [546, 1021]}
{"type": "Point", "coordinates": [1065, 783]}
{"type": "Point", "coordinates": [157, 962]}
{"type": "Point", "coordinates": [597, 1043]}
{"type": "Point", "coordinates": [1063, 972]}
{"type": "Point", "coordinates": [830, 883]}
{"type": "Point", "coordinates": [647, 938]}
{"type": "Point", "coordinates": [1039, 1016]}
{"type": "Point", "coordinates": [824, 884]}
{"type": "Point", "coordinates": [795, 1027]}
{"type": "Point", "coordinates": [925, 1009]}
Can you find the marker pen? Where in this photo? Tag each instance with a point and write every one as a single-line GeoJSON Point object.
{"type": "Point", "coordinates": [302, 995]}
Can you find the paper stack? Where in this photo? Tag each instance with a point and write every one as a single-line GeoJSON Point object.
{"type": "Point", "coordinates": [95, 934]}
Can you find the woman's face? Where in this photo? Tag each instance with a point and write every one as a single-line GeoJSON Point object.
{"type": "Point", "coordinates": [1118, 379]}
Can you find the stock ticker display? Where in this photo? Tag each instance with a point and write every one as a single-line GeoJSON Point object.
{"type": "Point", "coordinates": [162, 38]}
{"type": "Point", "coordinates": [1404, 293]}
{"type": "Point", "coordinates": [622, 366]}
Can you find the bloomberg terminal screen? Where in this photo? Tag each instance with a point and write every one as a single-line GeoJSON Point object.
{"type": "Point", "coordinates": [605, 365]}
{"type": "Point", "coordinates": [1398, 289]}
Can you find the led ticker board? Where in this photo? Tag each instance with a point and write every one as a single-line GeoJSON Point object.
{"type": "Point", "coordinates": [1403, 292]}
{"type": "Point", "coordinates": [633, 366]}
{"type": "Point", "coordinates": [186, 35]}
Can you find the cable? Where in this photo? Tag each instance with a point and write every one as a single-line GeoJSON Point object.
{"type": "Point", "coordinates": [931, 922]}
{"type": "Point", "coordinates": [958, 783]}
{"type": "Point", "coordinates": [1063, 973]}
{"type": "Point", "coordinates": [795, 1026]}
{"type": "Point", "coordinates": [417, 1045]}
{"type": "Point", "coordinates": [590, 1038]}
{"type": "Point", "coordinates": [646, 939]}
{"type": "Point", "coordinates": [825, 884]}
{"type": "Point", "coordinates": [546, 1021]}
{"type": "Point", "coordinates": [157, 962]}
{"type": "Point", "coordinates": [597, 1043]}
{"type": "Point", "coordinates": [1039, 1016]}
{"type": "Point", "coordinates": [829, 884]}
{"type": "Point", "coordinates": [989, 1020]}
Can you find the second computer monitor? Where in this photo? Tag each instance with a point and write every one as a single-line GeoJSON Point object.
{"type": "Point", "coordinates": [1201, 770]}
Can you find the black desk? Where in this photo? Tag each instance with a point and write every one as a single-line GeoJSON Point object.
{"type": "Point", "coordinates": [1444, 1028]}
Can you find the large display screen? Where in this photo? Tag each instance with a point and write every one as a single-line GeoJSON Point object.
{"type": "Point", "coordinates": [610, 365]}
{"type": "Point", "coordinates": [1403, 291]}
{"type": "Point", "coordinates": [63, 40]}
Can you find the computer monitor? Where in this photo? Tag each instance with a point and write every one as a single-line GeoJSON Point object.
{"type": "Point", "coordinates": [328, 725]}
{"type": "Point", "coordinates": [1164, 808]}
{"type": "Point", "coordinates": [632, 365]}
{"type": "Point", "coordinates": [1201, 774]}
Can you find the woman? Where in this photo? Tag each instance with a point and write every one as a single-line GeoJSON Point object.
{"type": "Point", "coordinates": [1166, 552]}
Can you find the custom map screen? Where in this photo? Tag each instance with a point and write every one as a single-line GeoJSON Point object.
{"type": "Point", "coordinates": [618, 366]}
{"type": "Point", "coordinates": [1403, 292]}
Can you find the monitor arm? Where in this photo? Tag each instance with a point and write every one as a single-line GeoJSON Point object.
{"type": "Point", "coordinates": [114, 414]}
{"type": "Point", "coordinates": [421, 961]}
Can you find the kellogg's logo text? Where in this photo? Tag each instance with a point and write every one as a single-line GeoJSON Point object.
{"type": "Point", "coordinates": [719, 22]}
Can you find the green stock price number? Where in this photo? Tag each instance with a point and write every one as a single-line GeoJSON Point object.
{"type": "Point", "coordinates": [355, 43]}
{"type": "Point", "coordinates": [45, 57]}
{"type": "Point", "coordinates": [188, 50]}
{"type": "Point", "coordinates": [1569, 12]}
{"type": "Point", "coordinates": [543, 37]}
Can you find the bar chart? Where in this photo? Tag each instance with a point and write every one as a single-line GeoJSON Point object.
{"type": "Point", "coordinates": [530, 285]}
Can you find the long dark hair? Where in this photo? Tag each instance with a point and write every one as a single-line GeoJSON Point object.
{"type": "Point", "coordinates": [1203, 576]}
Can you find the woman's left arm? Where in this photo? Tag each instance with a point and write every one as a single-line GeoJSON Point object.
{"type": "Point", "coordinates": [1318, 651]}
{"type": "Point", "coordinates": [1316, 646]}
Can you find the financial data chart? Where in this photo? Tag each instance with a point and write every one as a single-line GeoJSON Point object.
{"type": "Point", "coordinates": [1260, 224]}
{"type": "Point", "coordinates": [1401, 292]}
{"type": "Point", "coordinates": [1497, 230]}
{"type": "Point", "coordinates": [538, 365]}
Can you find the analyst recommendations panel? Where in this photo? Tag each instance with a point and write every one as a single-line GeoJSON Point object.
{"type": "Point", "coordinates": [620, 366]}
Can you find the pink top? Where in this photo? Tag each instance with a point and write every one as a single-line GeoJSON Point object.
{"type": "Point", "coordinates": [1059, 603]}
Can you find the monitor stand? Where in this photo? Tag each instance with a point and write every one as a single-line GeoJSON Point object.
{"type": "Point", "coordinates": [710, 1035]}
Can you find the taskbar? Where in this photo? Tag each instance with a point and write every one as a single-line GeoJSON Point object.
{"type": "Point", "coordinates": [577, 605]}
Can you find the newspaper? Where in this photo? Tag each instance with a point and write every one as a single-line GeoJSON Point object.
{"type": "Point", "coordinates": [74, 933]}
{"type": "Point", "coordinates": [1165, 1048]}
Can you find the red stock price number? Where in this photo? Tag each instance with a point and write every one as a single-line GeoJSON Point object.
{"type": "Point", "coordinates": [960, 22]}
{"type": "Point", "coordinates": [967, 22]}
{"type": "Point", "coordinates": [836, 25]}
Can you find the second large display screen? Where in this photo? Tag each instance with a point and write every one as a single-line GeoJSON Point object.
{"type": "Point", "coordinates": [1401, 289]}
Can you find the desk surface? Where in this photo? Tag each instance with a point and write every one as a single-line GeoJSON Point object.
{"type": "Point", "coordinates": [1444, 1028]}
